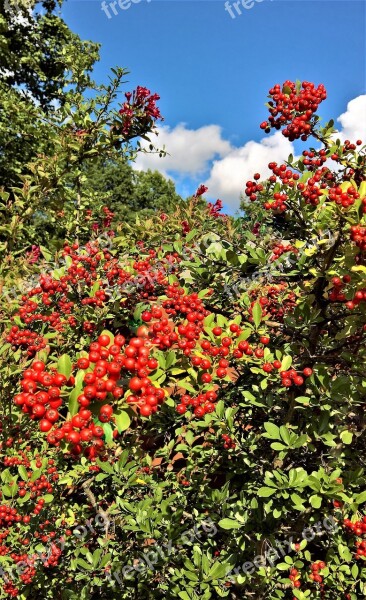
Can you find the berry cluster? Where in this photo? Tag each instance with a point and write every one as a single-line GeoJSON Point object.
{"type": "Point", "coordinates": [229, 443]}
{"type": "Point", "coordinates": [252, 188]}
{"type": "Point", "coordinates": [202, 404]}
{"type": "Point", "coordinates": [311, 191]}
{"type": "Point", "coordinates": [281, 248]}
{"type": "Point", "coordinates": [10, 589]}
{"type": "Point", "coordinates": [278, 204]}
{"type": "Point", "coordinates": [294, 107]}
{"type": "Point", "coordinates": [35, 488]}
{"type": "Point", "coordinates": [314, 159]}
{"type": "Point", "coordinates": [358, 528]}
{"type": "Point", "coordinates": [291, 377]}
{"type": "Point", "coordinates": [337, 294]}
{"type": "Point", "coordinates": [316, 567]}
{"type": "Point", "coordinates": [25, 339]}
{"type": "Point", "coordinates": [107, 362]}
{"type": "Point", "coordinates": [41, 394]}
{"type": "Point", "coordinates": [344, 199]}
{"type": "Point", "coordinates": [275, 300]}
{"type": "Point", "coordinates": [8, 516]}
{"type": "Point", "coordinates": [282, 173]}
{"type": "Point", "coordinates": [358, 236]}
{"type": "Point", "coordinates": [295, 577]}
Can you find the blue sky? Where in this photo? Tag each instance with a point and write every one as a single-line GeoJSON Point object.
{"type": "Point", "coordinates": [214, 70]}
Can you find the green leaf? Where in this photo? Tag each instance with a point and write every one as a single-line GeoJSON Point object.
{"type": "Point", "coordinates": [170, 359]}
{"type": "Point", "coordinates": [257, 314]}
{"type": "Point", "coordinates": [123, 420]}
{"type": "Point", "coordinates": [108, 432]}
{"type": "Point", "coordinates": [191, 235]}
{"type": "Point", "coordinates": [346, 436]}
{"type": "Point", "coordinates": [64, 365]}
{"type": "Point", "coordinates": [45, 253]}
{"type": "Point", "coordinates": [354, 571]}
{"type": "Point", "coordinates": [273, 432]}
{"type": "Point", "coordinates": [361, 498]}
{"type": "Point", "coordinates": [184, 596]}
{"type": "Point", "coordinates": [84, 565]}
{"type": "Point", "coordinates": [73, 398]}
{"type": "Point", "coordinates": [298, 502]}
{"type": "Point", "coordinates": [265, 492]}
{"type": "Point", "coordinates": [278, 446]}
{"type": "Point", "coordinates": [229, 524]}
{"type": "Point", "coordinates": [218, 571]}
{"type": "Point", "coordinates": [285, 435]}
{"type": "Point", "coordinates": [315, 501]}
{"type": "Point", "coordinates": [23, 473]}
{"type": "Point", "coordinates": [286, 363]}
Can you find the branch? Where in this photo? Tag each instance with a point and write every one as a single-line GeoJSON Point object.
{"type": "Point", "coordinates": [89, 494]}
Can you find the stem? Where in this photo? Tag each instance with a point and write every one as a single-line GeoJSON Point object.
{"type": "Point", "coordinates": [89, 494]}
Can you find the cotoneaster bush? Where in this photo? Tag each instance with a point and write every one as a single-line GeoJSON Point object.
{"type": "Point", "coordinates": [180, 399]}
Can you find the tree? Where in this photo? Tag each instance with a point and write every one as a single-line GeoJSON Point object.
{"type": "Point", "coordinates": [129, 192]}
{"type": "Point", "coordinates": [40, 58]}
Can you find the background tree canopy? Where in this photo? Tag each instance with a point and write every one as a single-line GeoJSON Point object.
{"type": "Point", "coordinates": [129, 191]}
{"type": "Point", "coordinates": [50, 107]}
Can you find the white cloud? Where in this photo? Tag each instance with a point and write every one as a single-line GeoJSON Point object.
{"type": "Point", "coordinates": [353, 121]}
{"type": "Point", "coordinates": [228, 176]}
{"type": "Point", "coordinates": [190, 150]}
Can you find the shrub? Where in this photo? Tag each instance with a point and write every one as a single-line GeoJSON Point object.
{"type": "Point", "coordinates": [184, 403]}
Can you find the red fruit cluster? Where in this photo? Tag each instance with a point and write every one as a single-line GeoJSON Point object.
{"type": "Point", "coordinates": [344, 199]}
{"type": "Point", "coordinates": [315, 568]}
{"type": "Point", "coordinates": [8, 516]}
{"type": "Point", "coordinates": [252, 188]}
{"type": "Point", "coordinates": [21, 459]}
{"type": "Point", "coordinates": [282, 173]}
{"type": "Point", "coordinates": [358, 235]}
{"type": "Point", "coordinates": [294, 108]}
{"type": "Point", "coordinates": [41, 394]}
{"type": "Point", "coordinates": [278, 203]}
{"type": "Point", "coordinates": [10, 589]}
{"type": "Point", "coordinates": [26, 339]}
{"type": "Point", "coordinates": [357, 527]}
{"type": "Point", "coordinates": [311, 191]}
{"type": "Point", "coordinates": [275, 300]}
{"type": "Point", "coordinates": [361, 549]}
{"type": "Point", "coordinates": [281, 248]}
{"type": "Point", "coordinates": [313, 159]}
{"type": "Point", "coordinates": [291, 377]}
{"type": "Point", "coordinates": [202, 404]}
{"type": "Point", "coordinates": [295, 577]}
{"type": "Point", "coordinates": [229, 443]}
{"type": "Point", "coordinates": [337, 294]}
{"type": "Point", "coordinates": [36, 488]}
